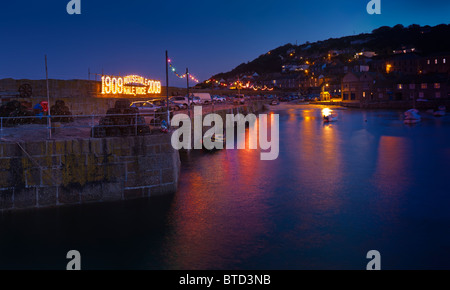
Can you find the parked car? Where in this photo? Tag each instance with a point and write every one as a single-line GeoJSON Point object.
{"type": "Point", "coordinates": [203, 98]}
{"type": "Point", "coordinates": [172, 106]}
{"type": "Point", "coordinates": [145, 107]}
{"type": "Point", "coordinates": [185, 101]}
{"type": "Point", "coordinates": [175, 106]}
{"type": "Point", "coordinates": [198, 101]}
{"type": "Point", "coordinates": [219, 99]}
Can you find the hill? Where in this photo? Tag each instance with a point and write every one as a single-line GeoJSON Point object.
{"type": "Point", "coordinates": [384, 40]}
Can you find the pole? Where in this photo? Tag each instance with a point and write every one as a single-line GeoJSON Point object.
{"type": "Point", "coordinates": [135, 125]}
{"type": "Point", "coordinates": [167, 89]}
{"type": "Point", "coordinates": [239, 87]}
{"type": "Point", "coordinates": [187, 85]}
{"type": "Point", "coordinates": [49, 122]}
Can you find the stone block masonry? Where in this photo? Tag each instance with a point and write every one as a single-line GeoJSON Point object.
{"type": "Point", "coordinates": [37, 174]}
{"type": "Point", "coordinates": [61, 172]}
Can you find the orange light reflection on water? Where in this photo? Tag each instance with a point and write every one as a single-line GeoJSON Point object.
{"type": "Point", "coordinates": [198, 241]}
{"type": "Point", "coordinates": [317, 152]}
{"type": "Point", "coordinates": [389, 176]}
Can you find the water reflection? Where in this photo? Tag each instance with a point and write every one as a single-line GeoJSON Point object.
{"type": "Point", "coordinates": [335, 192]}
{"type": "Point", "coordinates": [391, 178]}
{"type": "Point", "coordinates": [319, 173]}
{"type": "Point", "coordinates": [221, 211]}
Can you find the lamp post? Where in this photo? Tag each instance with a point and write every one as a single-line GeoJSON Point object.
{"type": "Point", "coordinates": [167, 89]}
{"type": "Point", "coordinates": [49, 121]}
{"type": "Point", "coordinates": [189, 98]}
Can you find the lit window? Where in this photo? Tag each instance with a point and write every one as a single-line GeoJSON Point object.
{"type": "Point", "coordinates": [437, 85]}
{"type": "Point", "coordinates": [435, 61]}
{"type": "Point", "coordinates": [443, 61]}
{"type": "Point", "coordinates": [423, 86]}
{"type": "Point", "coordinates": [399, 86]}
{"type": "Point", "coordinates": [428, 61]}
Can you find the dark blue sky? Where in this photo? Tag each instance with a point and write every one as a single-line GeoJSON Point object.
{"type": "Point", "coordinates": [126, 37]}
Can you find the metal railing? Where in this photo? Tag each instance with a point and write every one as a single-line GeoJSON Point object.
{"type": "Point", "coordinates": [94, 125]}
{"type": "Point", "coordinates": [102, 125]}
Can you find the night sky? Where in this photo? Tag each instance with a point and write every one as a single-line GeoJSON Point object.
{"type": "Point", "coordinates": [130, 37]}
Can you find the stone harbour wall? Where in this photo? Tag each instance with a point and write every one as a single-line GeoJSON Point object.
{"type": "Point", "coordinates": [46, 173]}
{"type": "Point", "coordinates": [60, 172]}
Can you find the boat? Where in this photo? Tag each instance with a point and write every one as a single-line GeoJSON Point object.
{"type": "Point", "coordinates": [329, 115]}
{"type": "Point", "coordinates": [412, 116]}
{"type": "Point", "coordinates": [330, 118]}
{"type": "Point", "coordinates": [274, 103]}
{"type": "Point", "coordinates": [440, 112]}
{"type": "Point", "coordinates": [219, 138]}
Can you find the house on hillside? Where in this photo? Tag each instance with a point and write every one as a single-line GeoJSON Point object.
{"type": "Point", "coordinates": [360, 86]}
{"type": "Point", "coordinates": [436, 63]}
{"type": "Point", "coordinates": [422, 87]}
{"type": "Point", "coordinates": [372, 87]}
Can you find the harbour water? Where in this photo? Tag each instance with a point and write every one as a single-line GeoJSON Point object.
{"type": "Point", "coordinates": [336, 191]}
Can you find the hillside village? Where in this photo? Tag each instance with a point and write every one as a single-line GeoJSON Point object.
{"type": "Point", "coordinates": [389, 64]}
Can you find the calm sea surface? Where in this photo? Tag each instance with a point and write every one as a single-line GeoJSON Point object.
{"type": "Point", "coordinates": [366, 182]}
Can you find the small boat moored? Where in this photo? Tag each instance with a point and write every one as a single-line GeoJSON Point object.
{"type": "Point", "coordinates": [440, 112]}
{"type": "Point", "coordinates": [216, 138]}
{"type": "Point", "coordinates": [329, 116]}
{"type": "Point", "coordinates": [412, 116]}
{"type": "Point", "coordinates": [274, 103]}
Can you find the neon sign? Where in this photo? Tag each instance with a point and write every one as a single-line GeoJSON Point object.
{"type": "Point", "coordinates": [129, 85]}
